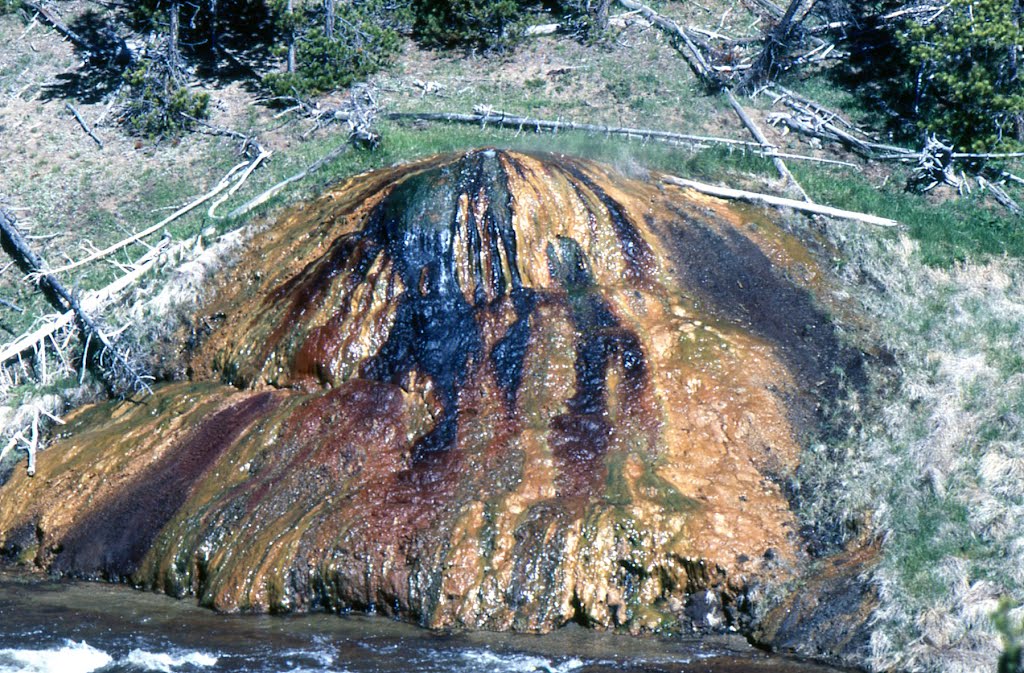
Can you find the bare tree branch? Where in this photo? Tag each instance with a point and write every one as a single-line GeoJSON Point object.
{"type": "Point", "coordinates": [81, 122]}
{"type": "Point", "coordinates": [65, 300]}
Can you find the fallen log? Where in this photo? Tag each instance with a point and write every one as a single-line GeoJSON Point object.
{"type": "Point", "coordinates": [782, 93]}
{"type": "Point", "coordinates": [58, 24]}
{"type": "Point", "coordinates": [66, 302]}
{"type": "Point", "coordinates": [1011, 177]}
{"type": "Point", "coordinates": [780, 165]}
{"type": "Point", "coordinates": [224, 183]}
{"type": "Point", "coordinates": [260, 199]}
{"type": "Point", "coordinates": [484, 116]}
{"type": "Point", "coordinates": [1000, 195]}
{"type": "Point", "coordinates": [117, 53]}
{"type": "Point", "coordinates": [910, 155]}
{"type": "Point", "coordinates": [542, 29]}
{"type": "Point", "coordinates": [817, 209]}
{"type": "Point", "coordinates": [829, 132]}
{"type": "Point", "coordinates": [91, 302]}
{"type": "Point", "coordinates": [263, 154]}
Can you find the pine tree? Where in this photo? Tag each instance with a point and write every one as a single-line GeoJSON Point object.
{"type": "Point", "coordinates": [968, 81]}
{"type": "Point", "coordinates": [158, 100]}
{"type": "Point", "coordinates": [330, 44]}
{"type": "Point", "coordinates": [487, 25]}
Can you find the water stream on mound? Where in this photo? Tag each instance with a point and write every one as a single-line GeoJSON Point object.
{"type": "Point", "coordinates": [84, 628]}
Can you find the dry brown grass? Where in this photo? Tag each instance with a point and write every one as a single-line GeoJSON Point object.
{"type": "Point", "coordinates": [936, 458]}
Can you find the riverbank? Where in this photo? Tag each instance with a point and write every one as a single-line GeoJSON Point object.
{"type": "Point", "coordinates": [71, 627]}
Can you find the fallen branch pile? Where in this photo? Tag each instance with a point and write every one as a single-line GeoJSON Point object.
{"type": "Point", "coordinates": [225, 183]}
{"type": "Point", "coordinates": [813, 120]}
{"type": "Point", "coordinates": [112, 364]}
{"type": "Point", "coordinates": [91, 303]}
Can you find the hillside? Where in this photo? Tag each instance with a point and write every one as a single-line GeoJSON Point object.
{"type": "Point", "coordinates": [924, 460]}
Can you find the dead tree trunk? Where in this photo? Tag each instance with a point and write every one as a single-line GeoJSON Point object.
{"type": "Point", "coordinates": [173, 54]}
{"type": "Point", "coordinates": [59, 296]}
{"type": "Point", "coordinates": [214, 37]}
{"type": "Point", "coordinates": [755, 131]}
{"type": "Point", "coordinates": [290, 11]}
{"type": "Point", "coordinates": [776, 40]}
{"type": "Point", "coordinates": [329, 19]}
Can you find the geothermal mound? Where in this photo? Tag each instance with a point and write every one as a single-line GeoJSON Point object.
{"type": "Point", "coordinates": [491, 390]}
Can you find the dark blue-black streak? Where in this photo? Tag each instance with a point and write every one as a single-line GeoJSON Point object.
{"type": "Point", "coordinates": [436, 330]}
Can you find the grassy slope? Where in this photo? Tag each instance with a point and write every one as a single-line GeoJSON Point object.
{"type": "Point", "coordinates": [938, 455]}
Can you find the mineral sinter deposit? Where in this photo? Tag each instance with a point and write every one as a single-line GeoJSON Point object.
{"type": "Point", "coordinates": [487, 390]}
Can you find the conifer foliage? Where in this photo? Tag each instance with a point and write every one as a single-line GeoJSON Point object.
{"type": "Point", "coordinates": [969, 87]}
{"type": "Point", "coordinates": [486, 25]}
{"type": "Point", "coordinates": [328, 44]}
{"type": "Point", "coordinates": [158, 99]}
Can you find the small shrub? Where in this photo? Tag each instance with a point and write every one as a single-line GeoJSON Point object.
{"type": "Point", "coordinates": [360, 42]}
{"type": "Point", "coordinates": [968, 86]}
{"type": "Point", "coordinates": [620, 89]}
{"type": "Point", "coordinates": [158, 102]}
{"type": "Point", "coordinates": [486, 25]}
{"type": "Point", "coordinates": [1012, 658]}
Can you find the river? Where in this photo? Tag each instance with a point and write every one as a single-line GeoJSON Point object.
{"type": "Point", "coordinates": [73, 627]}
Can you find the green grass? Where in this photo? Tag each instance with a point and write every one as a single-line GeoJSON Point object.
{"type": "Point", "coordinates": [953, 231]}
{"type": "Point", "coordinates": [402, 143]}
{"type": "Point", "coordinates": [931, 463]}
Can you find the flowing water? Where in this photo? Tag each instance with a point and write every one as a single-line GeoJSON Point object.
{"type": "Point", "coordinates": [81, 628]}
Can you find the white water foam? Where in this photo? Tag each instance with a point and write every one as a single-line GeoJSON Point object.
{"type": "Point", "coordinates": [72, 657]}
{"type": "Point", "coordinates": [166, 663]}
{"type": "Point", "coordinates": [485, 660]}
{"type": "Point", "coordinates": [323, 658]}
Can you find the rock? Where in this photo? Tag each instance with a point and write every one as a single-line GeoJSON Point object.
{"type": "Point", "coordinates": [489, 390]}
{"type": "Point", "coordinates": [704, 611]}
{"type": "Point", "coordinates": [827, 615]}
